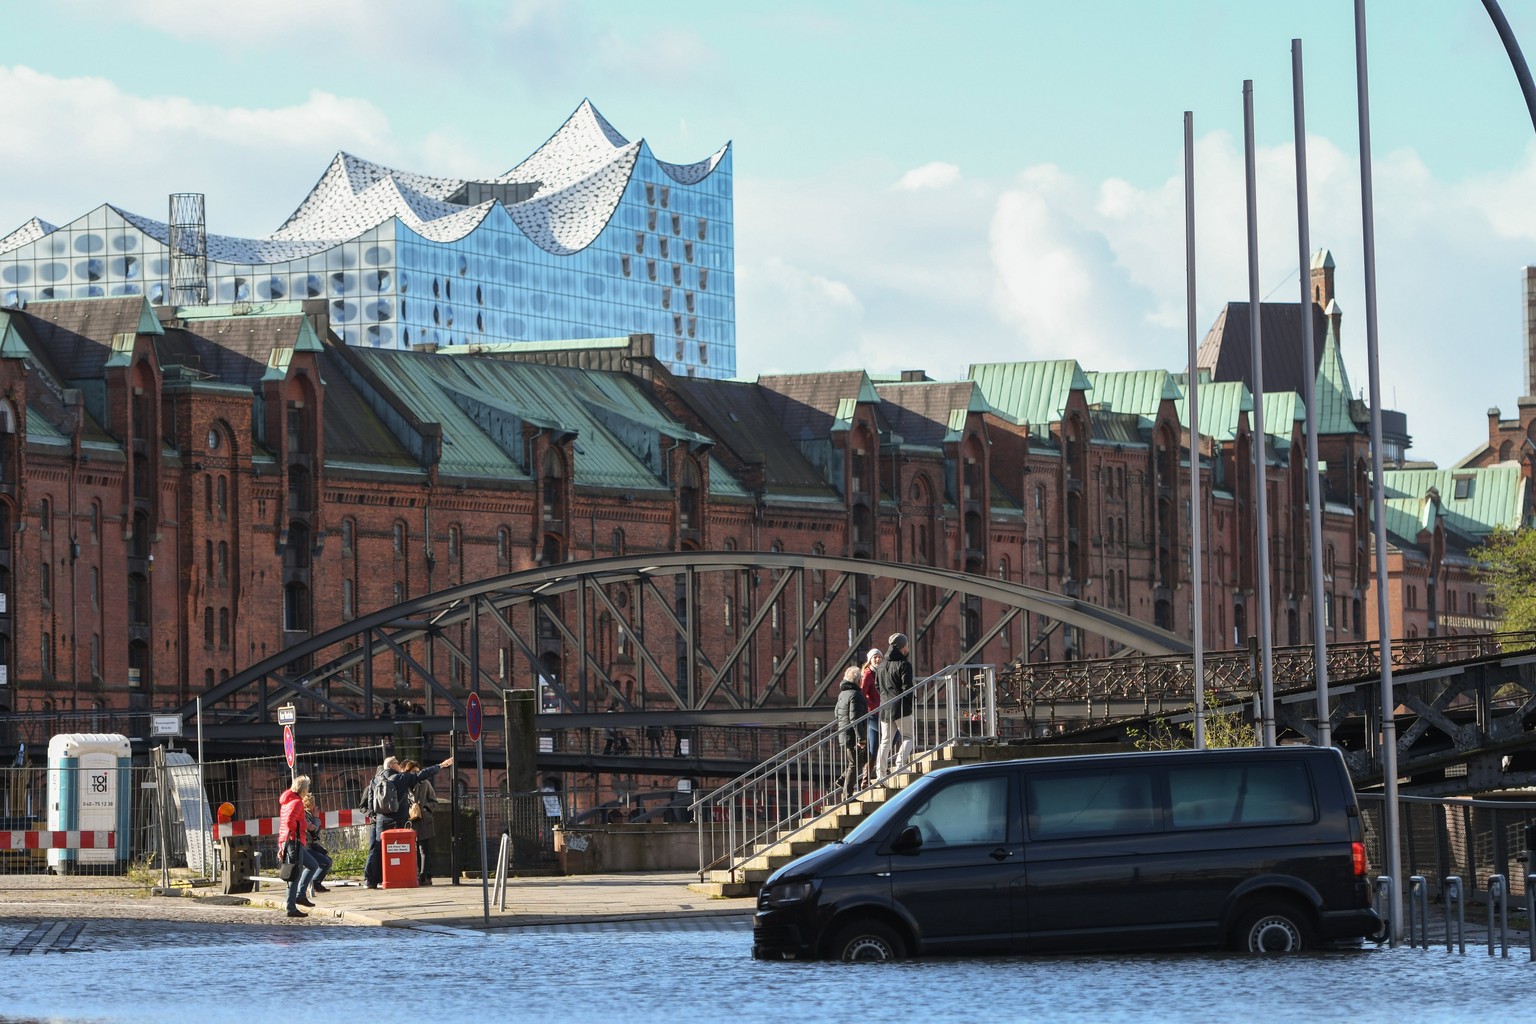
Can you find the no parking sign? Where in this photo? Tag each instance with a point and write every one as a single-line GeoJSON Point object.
{"type": "Point", "coordinates": [474, 717]}
{"type": "Point", "coordinates": [288, 747]}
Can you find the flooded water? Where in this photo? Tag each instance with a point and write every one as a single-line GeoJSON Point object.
{"type": "Point", "coordinates": [702, 971]}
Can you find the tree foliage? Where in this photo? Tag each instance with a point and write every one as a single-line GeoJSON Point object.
{"type": "Point", "coordinates": [1509, 572]}
{"type": "Point", "coordinates": [1224, 727]}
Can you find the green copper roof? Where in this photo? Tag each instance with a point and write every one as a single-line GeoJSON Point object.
{"type": "Point", "coordinates": [1490, 498]}
{"type": "Point", "coordinates": [11, 345]}
{"type": "Point", "coordinates": [1137, 391]}
{"type": "Point", "coordinates": [1332, 392]}
{"type": "Point", "coordinates": [1222, 403]}
{"type": "Point", "coordinates": [1035, 393]}
{"type": "Point", "coordinates": [1282, 411]}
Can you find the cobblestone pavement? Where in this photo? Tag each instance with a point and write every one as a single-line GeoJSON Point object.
{"type": "Point", "coordinates": [50, 897]}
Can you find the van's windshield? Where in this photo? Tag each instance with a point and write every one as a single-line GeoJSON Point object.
{"type": "Point", "coordinates": [875, 823]}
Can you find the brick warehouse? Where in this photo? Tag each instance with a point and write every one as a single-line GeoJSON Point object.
{"type": "Point", "coordinates": [185, 492]}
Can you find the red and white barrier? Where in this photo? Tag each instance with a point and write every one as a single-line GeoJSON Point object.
{"type": "Point", "coordinates": [268, 826]}
{"type": "Point", "coordinates": [47, 840]}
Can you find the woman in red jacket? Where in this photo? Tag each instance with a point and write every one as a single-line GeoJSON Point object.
{"type": "Point", "coordinates": [872, 699]}
{"type": "Point", "coordinates": [291, 829]}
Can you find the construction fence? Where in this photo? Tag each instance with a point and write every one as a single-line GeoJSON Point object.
{"type": "Point", "coordinates": [1469, 838]}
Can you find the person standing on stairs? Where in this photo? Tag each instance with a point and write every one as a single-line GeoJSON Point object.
{"type": "Point", "coordinates": [850, 732]}
{"type": "Point", "coordinates": [894, 680]}
{"type": "Point", "coordinates": [872, 701]}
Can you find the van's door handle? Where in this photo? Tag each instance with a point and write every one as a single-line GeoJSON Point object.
{"type": "Point", "coordinates": [1001, 854]}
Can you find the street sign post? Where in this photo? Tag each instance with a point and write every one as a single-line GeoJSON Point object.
{"type": "Point", "coordinates": [474, 717]}
{"type": "Point", "coordinates": [287, 715]}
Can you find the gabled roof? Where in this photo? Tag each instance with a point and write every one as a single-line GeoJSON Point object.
{"type": "Point", "coordinates": [1493, 498]}
{"type": "Point", "coordinates": [78, 333]}
{"type": "Point", "coordinates": [815, 405]}
{"type": "Point", "coordinates": [1282, 411]}
{"type": "Point", "coordinates": [739, 416]}
{"type": "Point", "coordinates": [930, 413]}
{"type": "Point", "coordinates": [1227, 348]}
{"type": "Point", "coordinates": [1140, 392]}
{"type": "Point", "coordinates": [1035, 393]}
{"type": "Point", "coordinates": [239, 350]}
{"type": "Point", "coordinates": [1221, 405]}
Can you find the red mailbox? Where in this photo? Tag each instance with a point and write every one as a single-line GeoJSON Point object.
{"type": "Point", "coordinates": [399, 851]}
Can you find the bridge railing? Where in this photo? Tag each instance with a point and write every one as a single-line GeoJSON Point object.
{"type": "Point", "coordinates": [780, 796]}
{"type": "Point", "coordinates": [1157, 684]}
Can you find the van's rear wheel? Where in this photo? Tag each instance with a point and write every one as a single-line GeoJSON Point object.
{"type": "Point", "coordinates": [1273, 928]}
{"type": "Point", "coordinates": [868, 940]}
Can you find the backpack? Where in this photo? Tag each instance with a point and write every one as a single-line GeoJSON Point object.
{"type": "Point", "coordinates": [381, 797]}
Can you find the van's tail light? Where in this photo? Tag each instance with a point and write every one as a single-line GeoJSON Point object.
{"type": "Point", "coordinates": [1357, 855]}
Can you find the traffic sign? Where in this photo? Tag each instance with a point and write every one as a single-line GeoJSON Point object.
{"type": "Point", "coordinates": [288, 747]}
{"type": "Point", "coordinates": [474, 717]}
{"type": "Point", "coordinates": [287, 715]}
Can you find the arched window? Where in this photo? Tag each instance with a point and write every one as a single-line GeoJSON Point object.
{"type": "Point", "coordinates": [397, 538]}
{"type": "Point", "coordinates": [347, 606]}
{"type": "Point", "coordinates": [224, 629]}
{"type": "Point", "coordinates": [503, 546]}
{"type": "Point", "coordinates": [618, 542]}
{"type": "Point", "coordinates": [688, 496]}
{"type": "Point", "coordinates": [208, 624]}
{"type": "Point", "coordinates": [453, 543]}
{"type": "Point", "coordinates": [554, 488]}
{"type": "Point", "coordinates": [223, 561]}
{"type": "Point", "coordinates": [296, 553]}
{"type": "Point", "coordinates": [298, 489]}
{"type": "Point", "coordinates": [348, 530]}
{"type": "Point", "coordinates": [221, 502]}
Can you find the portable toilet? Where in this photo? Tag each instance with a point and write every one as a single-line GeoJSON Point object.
{"type": "Point", "coordinates": [90, 790]}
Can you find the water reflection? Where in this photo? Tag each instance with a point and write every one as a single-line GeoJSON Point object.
{"type": "Point", "coordinates": [702, 971]}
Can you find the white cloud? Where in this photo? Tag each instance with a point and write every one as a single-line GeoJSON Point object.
{"type": "Point", "coordinates": [254, 164]}
{"type": "Point", "coordinates": [931, 175]}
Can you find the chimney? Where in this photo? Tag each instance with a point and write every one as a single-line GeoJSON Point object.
{"type": "Point", "coordinates": [1530, 329]}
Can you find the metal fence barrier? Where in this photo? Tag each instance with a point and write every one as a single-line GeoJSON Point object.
{"type": "Point", "coordinates": [1472, 839]}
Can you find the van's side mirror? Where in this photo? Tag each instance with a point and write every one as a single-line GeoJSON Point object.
{"type": "Point", "coordinates": [910, 840]}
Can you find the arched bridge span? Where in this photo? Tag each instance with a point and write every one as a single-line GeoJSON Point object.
{"type": "Point", "coordinates": [680, 631]}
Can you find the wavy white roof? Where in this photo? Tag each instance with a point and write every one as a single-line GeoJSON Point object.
{"type": "Point", "coordinates": [576, 180]}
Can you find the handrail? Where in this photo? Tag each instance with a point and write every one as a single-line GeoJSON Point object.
{"type": "Point", "coordinates": [783, 794]}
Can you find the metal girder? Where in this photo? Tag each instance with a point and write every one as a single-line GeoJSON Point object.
{"type": "Point", "coordinates": [704, 646]}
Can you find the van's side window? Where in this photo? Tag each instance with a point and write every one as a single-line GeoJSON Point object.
{"type": "Point", "coordinates": [1099, 802]}
{"type": "Point", "coordinates": [1220, 795]}
{"type": "Point", "coordinates": [971, 811]}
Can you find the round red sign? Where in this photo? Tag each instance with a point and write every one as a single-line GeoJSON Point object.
{"type": "Point", "coordinates": [473, 716]}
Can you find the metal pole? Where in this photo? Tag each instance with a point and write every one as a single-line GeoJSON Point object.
{"type": "Point", "coordinates": [474, 687]}
{"type": "Point", "coordinates": [1391, 814]}
{"type": "Point", "coordinates": [202, 789]}
{"type": "Point", "coordinates": [1260, 454]}
{"type": "Point", "coordinates": [1309, 398]}
{"type": "Point", "coordinates": [1193, 389]}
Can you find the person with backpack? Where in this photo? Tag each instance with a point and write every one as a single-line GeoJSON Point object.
{"type": "Point", "coordinates": [387, 798]}
{"type": "Point", "coordinates": [850, 708]}
{"type": "Point", "coordinates": [894, 679]}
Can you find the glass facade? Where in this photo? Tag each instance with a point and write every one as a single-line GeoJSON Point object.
{"type": "Point", "coordinates": [621, 244]}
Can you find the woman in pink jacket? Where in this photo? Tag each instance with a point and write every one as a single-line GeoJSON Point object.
{"type": "Point", "coordinates": [291, 829]}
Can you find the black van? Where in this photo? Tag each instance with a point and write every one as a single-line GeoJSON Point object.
{"type": "Point", "coordinates": [1258, 848]}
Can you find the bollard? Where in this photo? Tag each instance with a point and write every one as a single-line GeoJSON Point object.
{"type": "Point", "coordinates": [1455, 894]}
{"type": "Point", "coordinates": [1418, 911]}
{"type": "Point", "coordinates": [1383, 900]}
{"type": "Point", "coordinates": [1498, 909]}
{"type": "Point", "coordinates": [1530, 912]}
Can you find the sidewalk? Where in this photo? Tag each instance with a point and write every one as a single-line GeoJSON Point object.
{"type": "Point", "coordinates": [531, 901]}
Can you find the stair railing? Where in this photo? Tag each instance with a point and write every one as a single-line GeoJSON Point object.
{"type": "Point", "coordinates": [747, 816]}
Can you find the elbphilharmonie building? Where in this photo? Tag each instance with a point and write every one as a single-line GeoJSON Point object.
{"type": "Point", "coordinates": [591, 236]}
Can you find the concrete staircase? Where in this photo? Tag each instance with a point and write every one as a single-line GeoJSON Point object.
{"type": "Point", "coordinates": [831, 825]}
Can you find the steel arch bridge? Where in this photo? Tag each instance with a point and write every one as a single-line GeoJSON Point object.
{"type": "Point", "coordinates": [568, 616]}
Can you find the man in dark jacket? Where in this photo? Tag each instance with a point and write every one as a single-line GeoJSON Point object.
{"type": "Point", "coordinates": [402, 783]}
{"type": "Point", "coordinates": [894, 680]}
{"type": "Point", "coordinates": [850, 731]}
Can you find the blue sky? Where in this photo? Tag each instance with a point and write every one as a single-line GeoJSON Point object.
{"type": "Point", "coordinates": [917, 184]}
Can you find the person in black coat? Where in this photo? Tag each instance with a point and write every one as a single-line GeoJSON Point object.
{"type": "Point", "coordinates": [894, 680]}
{"type": "Point", "coordinates": [402, 782]}
{"type": "Point", "coordinates": [850, 731]}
